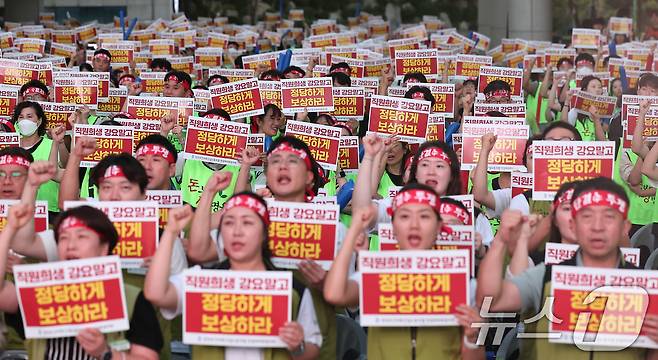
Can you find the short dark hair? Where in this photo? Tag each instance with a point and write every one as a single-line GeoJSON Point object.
{"type": "Point", "coordinates": [17, 151]}
{"type": "Point", "coordinates": [160, 63]}
{"type": "Point", "coordinates": [41, 130]}
{"type": "Point", "coordinates": [341, 78]}
{"type": "Point", "coordinates": [270, 73]}
{"type": "Point", "coordinates": [31, 84]}
{"type": "Point", "coordinates": [497, 85]}
{"type": "Point", "coordinates": [94, 219]}
{"type": "Point", "coordinates": [648, 79]}
{"type": "Point", "coordinates": [157, 139]}
{"type": "Point", "coordinates": [340, 65]}
{"type": "Point", "coordinates": [219, 112]}
{"type": "Point", "coordinates": [455, 184]}
{"type": "Point", "coordinates": [180, 75]}
{"type": "Point", "coordinates": [600, 183]}
{"type": "Point", "coordinates": [132, 169]}
{"type": "Point", "coordinates": [86, 67]}
{"type": "Point", "coordinates": [270, 107]}
{"type": "Point", "coordinates": [427, 93]}
{"type": "Point", "coordinates": [414, 75]}
{"type": "Point", "coordinates": [470, 82]}
{"type": "Point", "coordinates": [104, 52]}
{"type": "Point", "coordinates": [223, 78]}
{"type": "Point", "coordinates": [562, 125]}
{"type": "Point", "coordinates": [292, 68]}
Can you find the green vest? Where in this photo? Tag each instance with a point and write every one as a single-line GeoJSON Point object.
{"type": "Point", "coordinates": [217, 352]}
{"type": "Point", "coordinates": [36, 348]}
{"type": "Point", "coordinates": [541, 349]}
{"type": "Point", "coordinates": [533, 106]}
{"type": "Point", "coordinates": [196, 175]}
{"type": "Point", "coordinates": [431, 343]}
{"type": "Point", "coordinates": [48, 191]}
{"type": "Point", "coordinates": [641, 211]}
{"type": "Point", "coordinates": [331, 185]}
{"type": "Point", "coordinates": [586, 129]}
{"type": "Point", "coordinates": [384, 184]}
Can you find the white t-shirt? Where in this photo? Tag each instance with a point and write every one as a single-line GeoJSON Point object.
{"type": "Point", "coordinates": [306, 317]}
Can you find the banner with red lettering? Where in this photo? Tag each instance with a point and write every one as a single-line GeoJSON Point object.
{"type": "Point", "coordinates": [141, 128]}
{"type": "Point", "coordinates": [422, 61]}
{"type": "Point", "coordinates": [557, 162]}
{"type": "Point", "coordinates": [349, 103]}
{"type": "Point", "coordinates": [233, 74]}
{"type": "Point", "coordinates": [8, 100]}
{"type": "Point", "coordinates": [109, 140]}
{"type": "Point", "coordinates": [556, 253]}
{"type": "Point", "coordinates": [521, 182]}
{"type": "Point", "coordinates": [57, 114]}
{"type": "Point", "coordinates": [30, 45]}
{"type": "Point", "coordinates": [155, 108]}
{"type": "Point", "coordinates": [301, 231]}
{"type": "Point", "coordinates": [436, 128]}
{"type": "Point", "coordinates": [514, 77]}
{"type": "Point", "coordinates": [252, 62]}
{"type": "Point", "coordinates": [102, 77]}
{"type": "Point", "coordinates": [307, 95]}
{"type": "Point", "coordinates": [18, 72]}
{"type": "Point", "coordinates": [40, 210]}
{"type": "Point", "coordinates": [585, 38]}
{"type": "Point", "coordinates": [122, 51]}
{"type": "Point", "coordinates": [620, 25]}
{"type": "Point", "coordinates": [627, 100]}
{"type": "Point", "coordinates": [257, 141]}
{"type": "Point", "coordinates": [137, 225]}
{"type": "Point", "coordinates": [166, 199]}
{"type": "Point", "coordinates": [402, 44]}
{"type": "Point", "coordinates": [621, 299]}
{"type": "Point", "coordinates": [152, 82]}
{"type": "Point", "coordinates": [58, 299]}
{"type": "Point", "coordinates": [650, 132]}
{"type": "Point", "coordinates": [86, 33]}
{"type": "Point", "coordinates": [348, 154]}
{"type": "Point", "coordinates": [507, 153]}
{"type": "Point", "coordinates": [76, 91]}
{"type": "Point", "coordinates": [322, 140]}
{"type": "Point", "coordinates": [509, 110]}
{"type": "Point", "coordinates": [114, 104]}
{"type": "Point", "coordinates": [605, 105]}
{"type": "Point", "coordinates": [236, 308]}
{"type": "Point", "coordinates": [162, 47]}
{"type": "Point", "coordinates": [6, 40]}
{"type": "Point", "coordinates": [270, 93]}
{"type": "Point", "coordinates": [412, 288]}
{"type": "Point", "coordinates": [491, 121]}
{"type": "Point", "coordinates": [240, 99]}
{"type": "Point", "coordinates": [444, 97]}
{"type": "Point", "coordinates": [406, 118]}
{"type": "Point", "coordinates": [458, 237]}
{"type": "Point", "coordinates": [209, 56]}
{"type": "Point", "coordinates": [468, 66]}
{"type": "Point", "coordinates": [215, 141]}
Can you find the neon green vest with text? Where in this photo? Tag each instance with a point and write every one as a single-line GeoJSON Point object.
{"type": "Point", "coordinates": [49, 191]}
{"type": "Point", "coordinates": [586, 129]}
{"type": "Point", "coordinates": [531, 107]}
{"type": "Point", "coordinates": [196, 175]}
{"type": "Point", "coordinates": [36, 348]}
{"type": "Point", "coordinates": [641, 211]}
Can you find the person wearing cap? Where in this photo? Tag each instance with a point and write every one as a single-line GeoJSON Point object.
{"type": "Point", "coordinates": [101, 61]}
{"type": "Point", "coordinates": [416, 224]}
{"type": "Point", "coordinates": [33, 90]}
{"type": "Point", "coordinates": [82, 233]}
{"type": "Point", "coordinates": [160, 65]}
{"type": "Point", "coordinates": [30, 121]}
{"type": "Point", "coordinates": [243, 228]}
{"type": "Point", "coordinates": [291, 175]}
{"type": "Point", "coordinates": [599, 209]}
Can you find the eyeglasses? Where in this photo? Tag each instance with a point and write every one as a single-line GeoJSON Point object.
{"type": "Point", "coordinates": [14, 175]}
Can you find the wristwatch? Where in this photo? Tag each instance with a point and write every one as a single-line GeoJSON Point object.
{"type": "Point", "coordinates": [299, 351]}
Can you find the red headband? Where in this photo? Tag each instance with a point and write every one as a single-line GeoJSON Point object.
{"type": "Point", "coordinates": [583, 62]}
{"type": "Point", "coordinates": [564, 198]}
{"type": "Point", "coordinates": [34, 90]}
{"type": "Point", "coordinates": [295, 72]}
{"type": "Point", "coordinates": [113, 171]}
{"type": "Point", "coordinates": [418, 95]}
{"type": "Point", "coordinates": [175, 78]}
{"type": "Point", "coordinates": [501, 92]}
{"type": "Point", "coordinates": [284, 146]}
{"type": "Point", "coordinates": [155, 149]}
{"type": "Point", "coordinates": [123, 115]}
{"type": "Point", "coordinates": [434, 153]}
{"type": "Point", "coordinates": [72, 222]}
{"type": "Point", "coordinates": [342, 70]}
{"type": "Point", "coordinates": [128, 77]}
{"type": "Point", "coordinates": [415, 196]}
{"type": "Point", "coordinates": [14, 160]}
{"type": "Point", "coordinates": [456, 211]}
{"type": "Point", "coordinates": [8, 124]}
{"type": "Point", "coordinates": [215, 117]}
{"type": "Point", "coordinates": [271, 77]}
{"type": "Point", "coordinates": [250, 203]}
{"type": "Point", "coordinates": [599, 197]}
{"type": "Point", "coordinates": [102, 56]}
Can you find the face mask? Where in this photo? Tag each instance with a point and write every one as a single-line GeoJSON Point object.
{"type": "Point", "coordinates": [585, 70]}
{"type": "Point", "coordinates": [27, 127]}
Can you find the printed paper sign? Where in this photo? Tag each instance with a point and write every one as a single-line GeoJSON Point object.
{"type": "Point", "coordinates": [422, 61]}
{"type": "Point", "coordinates": [469, 65]}
{"type": "Point", "coordinates": [76, 91]}
{"type": "Point", "coordinates": [406, 118]}
{"type": "Point", "coordinates": [617, 311]}
{"type": "Point", "coordinates": [58, 299]}
{"type": "Point", "coordinates": [605, 105]}
{"type": "Point", "coordinates": [585, 38]}
{"type": "Point", "coordinates": [412, 288]}
{"type": "Point", "coordinates": [507, 153]}
{"type": "Point", "coordinates": [300, 231]}
{"type": "Point", "coordinates": [109, 140]}
{"type": "Point", "coordinates": [348, 154]}
{"type": "Point", "coordinates": [557, 162]}
{"type": "Point", "coordinates": [166, 199]}
{"type": "Point", "coordinates": [444, 98]}
{"type": "Point", "coordinates": [349, 103]}
{"type": "Point", "coordinates": [322, 140]}
{"type": "Point", "coordinates": [215, 141]}
{"type": "Point", "coordinates": [236, 308]}
{"type": "Point", "coordinates": [556, 253]}
{"type": "Point", "coordinates": [521, 182]}
{"type": "Point", "coordinates": [40, 209]}
{"type": "Point", "coordinates": [240, 99]}
{"type": "Point", "coordinates": [155, 108]}
{"type": "Point", "coordinates": [514, 77]}
{"type": "Point", "coordinates": [307, 95]}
